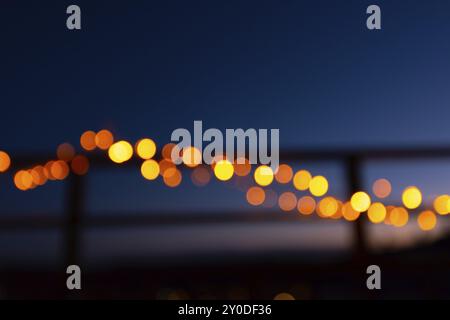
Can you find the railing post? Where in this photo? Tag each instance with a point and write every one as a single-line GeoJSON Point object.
{"type": "Point", "coordinates": [355, 184]}
{"type": "Point", "coordinates": [73, 220]}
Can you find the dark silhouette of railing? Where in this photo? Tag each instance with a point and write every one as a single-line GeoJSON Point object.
{"type": "Point", "coordinates": [75, 219]}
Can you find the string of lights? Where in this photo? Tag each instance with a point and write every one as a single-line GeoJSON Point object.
{"type": "Point", "coordinates": [313, 190]}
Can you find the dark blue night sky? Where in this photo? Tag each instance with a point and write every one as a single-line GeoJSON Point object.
{"type": "Point", "coordinates": [310, 68]}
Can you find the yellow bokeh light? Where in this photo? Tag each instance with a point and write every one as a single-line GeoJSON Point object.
{"type": "Point", "coordinates": [223, 170]}
{"type": "Point", "coordinates": [349, 213]}
{"type": "Point", "coordinates": [318, 186]}
{"type": "Point", "coordinates": [192, 157]}
{"type": "Point", "coordinates": [287, 201]}
{"type": "Point", "coordinates": [427, 220]}
{"type": "Point", "coordinates": [382, 188]}
{"type": "Point", "coordinates": [442, 204]}
{"type": "Point", "coordinates": [284, 174]}
{"type": "Point", "coordinates": [360, 201]}
{"type": "Point", "coordinates": [146, 148]}
{"type": "Point", "coordinates": [263, 175]}
{"type": "Point", "coordinates": [328, 206]}
{"type": "Point", "coordinates": [377, 212]}
{"type": "Point", "coordinates": [120, 151]}
{"type": "Point", "coordinates": [256, 196]}
{"type": "Point", "coordinates": [150, 169]}
{"type": "Point", "coordinates": [306, 205]}
{"type": "Point", "coordinates": [412, 197]}
{"type": "Point", "coordinates": [301, 180]}
{"type": "Point", "coordinates": [399, 217]}
{"type": "Point", "coordinates": [5, 161]}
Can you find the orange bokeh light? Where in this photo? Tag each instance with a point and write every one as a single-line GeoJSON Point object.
{"type": "Point", "coordinates": [306, 205]}
{"type": "Point", "coordinates": [256, 196]}
{"type": "Point", "coordinates": [65, 152]}
{"type": "Point", "coordinates": [382, 188]}
{"type": "Point", "coordinates": [59, 170]}
{"type": "Point", "coordinates": [87, 140]}
{"type": "Point", "coordinates": [80, 165]}
{"type": "Point", "coordinates": [172, 177]}
{"type": "Point", "coordinates": [284, 174]}
{"type": "Point", "coordinates": [200, 176]}
{"type": "Point", "coordinates": [242, 167]}
{"type": "Point", "coordinates": [287, 201]}
{"type": "Point", "coordinates": [5, 161]}
{"type": "Point", "coordinates": [104, 139]}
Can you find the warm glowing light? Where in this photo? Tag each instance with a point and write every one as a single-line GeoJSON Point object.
{"type": "Point", "coordinates": [164, 165]}
{"type": "Point", "coordinates": [80, 165]}
{"type": "Point", "coordinates": [382, 188]}
{"type": "Point", "coordinates": [200, 176]}
{"type": "Point", "coordinates": [39, 175]}
{"type": "Point", "coordinates": [104, 139]}
{"type": "Point", "coordinates": [150, 169]}
{"type": "Point", "coordinates": [349, 213]}
{"type": "Point", "coordinates": [120, 151]}
{"type": "Point", "coordinates": [427, 220]}
{"type": "Point", "coordinates": [387, 220]}
{"type": "Point", "coordinates": [318, 186]}
{"type": "Point", "coordinates": [59, 170]}
{"type": "Point", "coordinates": [412, 197]}
{"type": "Point", "coordinates": [287, 201]}
{"type": "Point", "coordinates": [172, 177]}
{"type": "Point", "coordinates": [5, 161]}
{"type": "Point", "coordinates": [263, 175]}
{"type": "Point", "coordinates": [338, 214]}
{"type": "Point", "coordinates": [242, 167]}
{"type": "Point", "coordinates": [399, 217]}
{"type": "Point", "coordinates": [284, 174]}
{"type": "Point", "coordinates": [87, 140]}
{"type": "Point", "coordinates": [23, 180]}
{"type": "Point", "coordinates": [223, 170]}
{"type": "Point", "coordinates": [192, 157]}
{"type": "Point", "coordinates": [284, 296]}
{"type": "Point", "coordinates": [256, 196]}
{"type": "Point", "coordinates": [360, 201]}
{"type": "Point", "coordinates": [27, 179]}
{"type": "Point", "coordinates": [301, 180]}
{"type": "Point", "coordinates": [48, 170]}
{"type": "Point", "coordinates": [377, 212]}
{"type": "Point", "coordinates": [306, 205]}
{"type": "Point", "coordinates": [328, 206]}
{"type": "Point", "coordinates": [146, 148]}
{"type": "Point", "coordinates": [65, 152]}
{"type": "Point", "coordinates": [442, 204]}
{"type": "Point", "coordinates": [167, 151]}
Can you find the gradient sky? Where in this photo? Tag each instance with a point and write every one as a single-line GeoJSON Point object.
{"type": "Point", "coordinates": [145, 68]}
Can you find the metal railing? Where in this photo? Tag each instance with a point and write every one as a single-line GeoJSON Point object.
{"type": "Point", "coordinates": [75, 218]}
